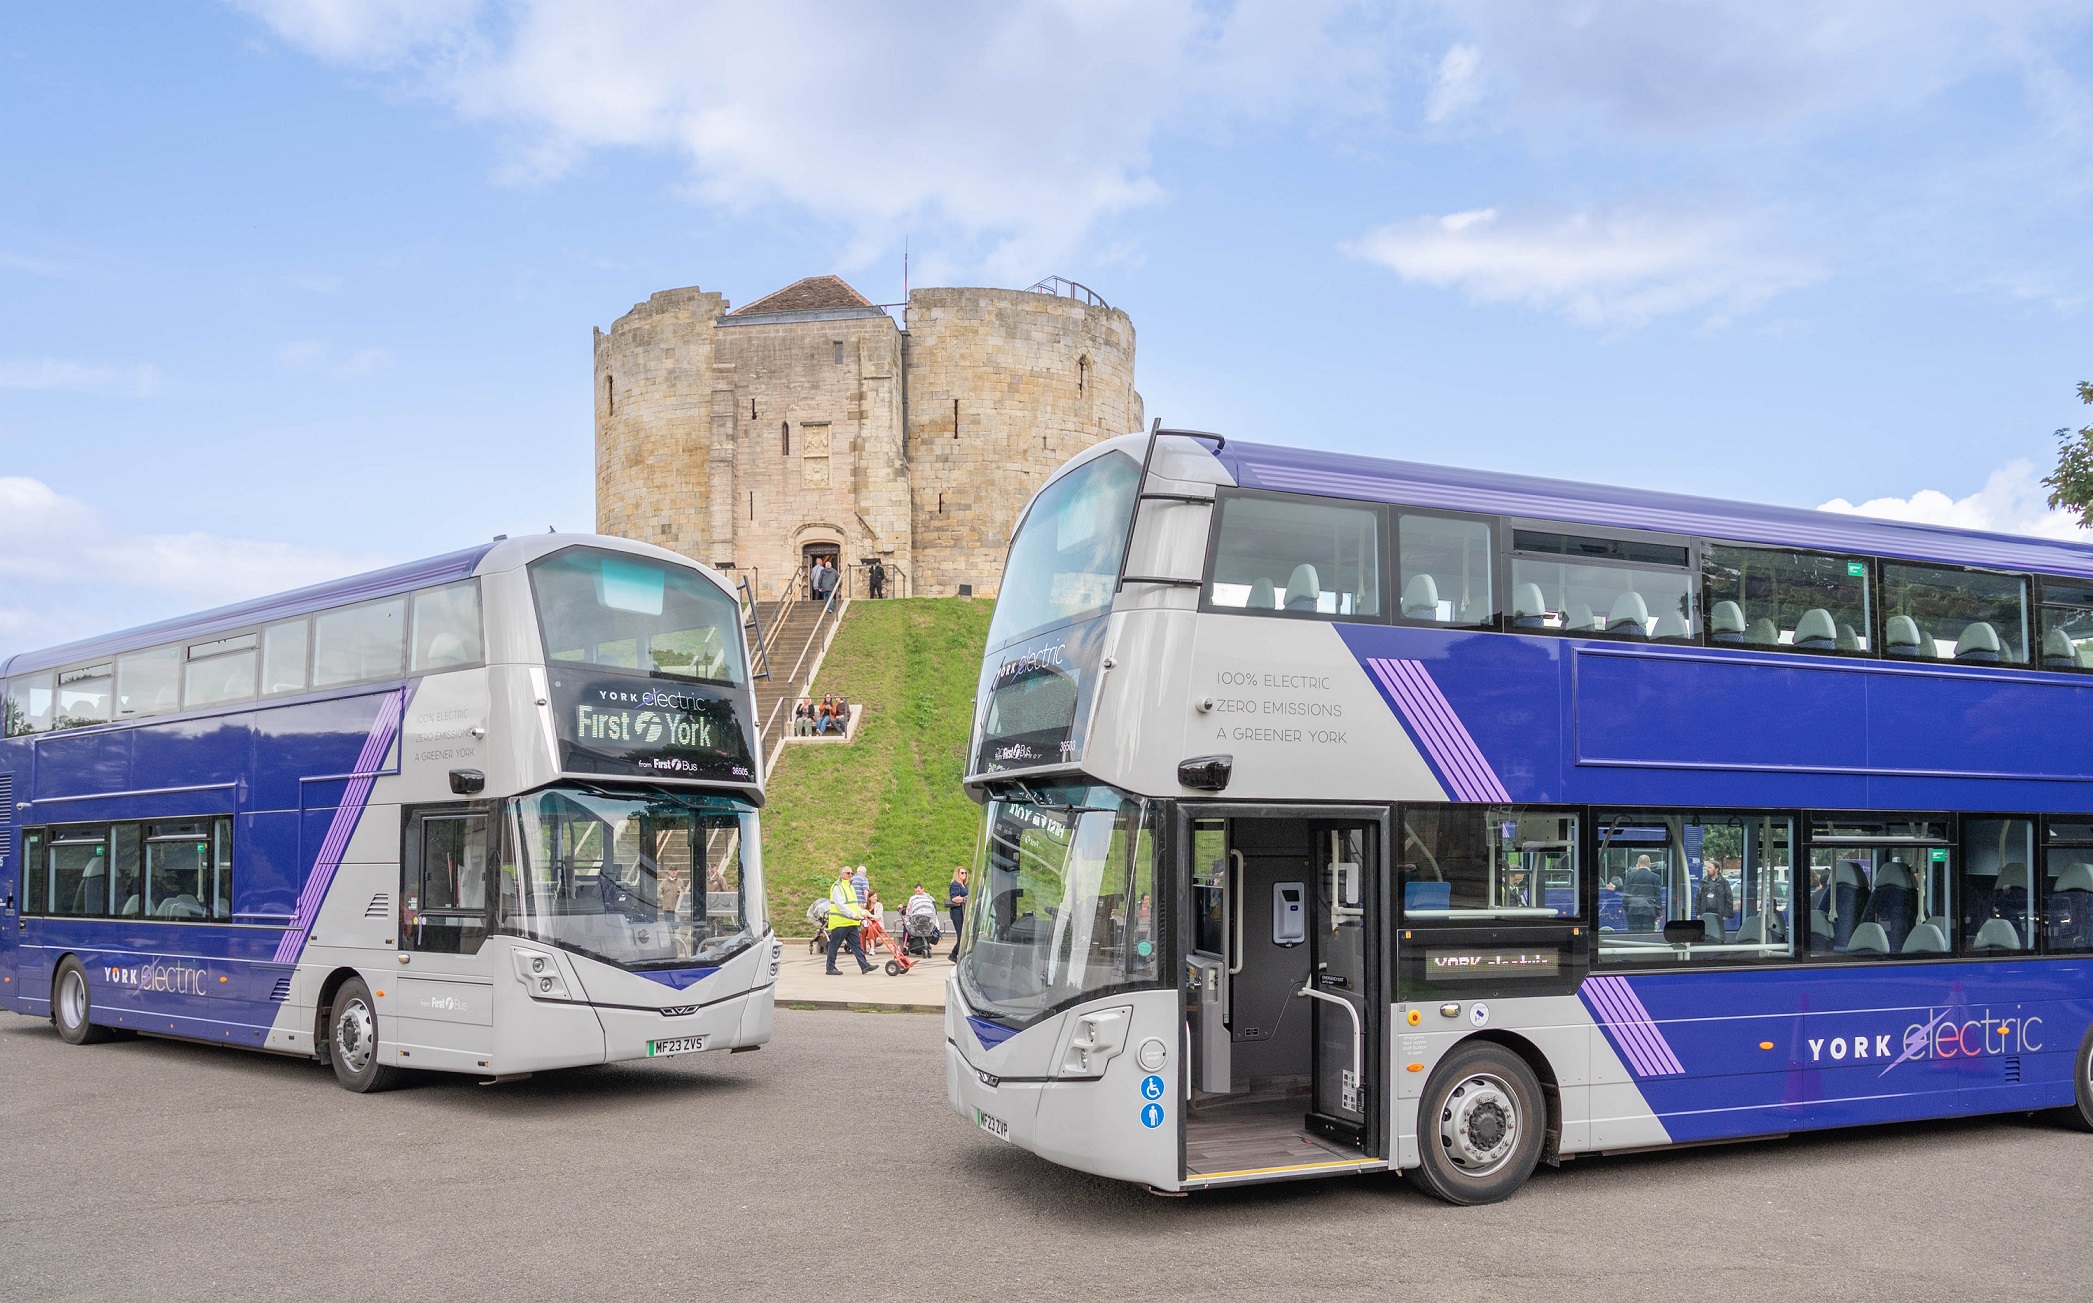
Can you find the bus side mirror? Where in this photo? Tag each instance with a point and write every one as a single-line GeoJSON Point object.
{"type": "Point", "coordinates": [1206, 773]}
{"type": "Point", "coordinates": [468, 782]}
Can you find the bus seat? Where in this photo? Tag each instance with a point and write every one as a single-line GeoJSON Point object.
{"type": "Point", "coordinates": [1894, 901]}
{"type": "Point", "coordinates": [1303, 589]}
{"type": "Point", "coordinates": [1580, 618]}
{"type": "Point", "coordinates": [1820, 926]}
{"type": "Point", "coordinates": [130, 906]}
{"type": "Point", "coordinates": [1529, 608]}
{"type": "Point", "coordinates": [2057, 651]}
{"type": "Point", "coordinates": [2071, 909]}
{"type": "Point", "coordinates": [1849, 892]}
{"type": "Point", "coordinates": [1765, 633]}
{"type": "Point", "coordinates": [1630, 615]}
{"type": "Point", "coordinates": [1264, 595]}
{"type": "Point", "coordinates": [1996, 934]}
{"type": "Point", "coordinates": [1763, 929]}
{"type": "Point", "coordinates": [1925, 939]}
{"type": "Point", "coordinates": [1848, 639]}
{"type": "Point", "coordinates": [1421, 598]}
{"type": "Point", "coordinates": [1672, 625]}
{"type": "Point", "coordinates": [1979, 642]}
{"type": "Point", "coordinates": [2085, 654]}
{"type": "Point", "coordinates": [1815, 631]}
{"type": "Point", "coordinates": [1726, 623]}
{"type": "Point", "coordinates": [1712, 922]}
{"type": "Point", "coordinates": [1900, 637]}
{"type": "Point", "coordinates": [2009, 898]}
{"type": "Point", "coordinates": [1868, 939]}
{"type": "Point", "coordinates": [1427, 895]}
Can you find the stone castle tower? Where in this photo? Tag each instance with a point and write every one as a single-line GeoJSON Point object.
{"type": "Point", "coordinates": [809, 422]}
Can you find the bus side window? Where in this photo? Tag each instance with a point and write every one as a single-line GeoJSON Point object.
{"type": "Point", "coordinates": [1443, 565]}
{"type": "Point", "coordinates": [35, 872]}
{"type": "Point", "coordinates": [1304, 557]}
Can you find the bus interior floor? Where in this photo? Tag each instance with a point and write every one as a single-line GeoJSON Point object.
{"type": "Point", "coordinates": [1247, 1135]}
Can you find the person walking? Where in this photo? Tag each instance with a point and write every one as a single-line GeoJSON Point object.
{"type": "Point", "coordinates": [956, 902]}
{"type": "Point", "coordinates": [844, 914]}
{"type": "Point", "coordinates": [863, 885]}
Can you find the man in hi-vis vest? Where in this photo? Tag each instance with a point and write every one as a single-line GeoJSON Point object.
{"type": "Point", "coordinates": [843, 916]}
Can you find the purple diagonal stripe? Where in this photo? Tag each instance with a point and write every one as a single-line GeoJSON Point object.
{"type": "Point", "coordinates": [340, 828]}
{"type": "Point", "coordinates": [1634, 1040]}
{"type": "Point", "coordinates": [1417, 698]}
{"type": "Point", "coordinates": [1622, 1013]}
{"type": "Point", "coordinates": [1430, 735]}
{"type": "Point", "coordinates": [1471, 755]}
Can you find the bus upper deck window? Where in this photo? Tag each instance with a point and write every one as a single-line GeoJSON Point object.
{"type": "Point", "coordinates": [1296, 556]}
{"type": "Point", "coordinates": [85, 696]}
{"type": "Point", "coordinates": [2067, 624]}
{"type": "Point", "coordinates": [447, 626]}
{"type": "Point", "coordinates": [1637, 589]}
{"type": "Point", "coordinates": [28, 704]}
{"type": "Point", "coordinates": [1937, 613]}
{"type": "Point", "coordinates": [1444, 569]}
{"type": "Point", "coordinates": [1784, 600]}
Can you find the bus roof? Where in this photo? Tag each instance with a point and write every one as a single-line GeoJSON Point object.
{"type": "Point", "coordinates": [335, 592]}
{"type": "Point", "coordinates": [1298, 470]}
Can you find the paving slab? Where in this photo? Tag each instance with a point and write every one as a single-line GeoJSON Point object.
{"type": "Point", "coordinates": [803, 982]}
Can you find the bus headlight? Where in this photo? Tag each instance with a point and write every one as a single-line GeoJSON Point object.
{"type": "Point", "coordinates": [540, 975]}
{"type": "Point", "coordinates": [1093, 1039]}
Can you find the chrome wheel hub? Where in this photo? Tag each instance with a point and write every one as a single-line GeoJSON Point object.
{"type": "Point", "coordinates": [1479, 1124]}
{"type": "Point", "coordinates": [355, 1035]}
{"type": "Point", "coordinates": [72, 999]}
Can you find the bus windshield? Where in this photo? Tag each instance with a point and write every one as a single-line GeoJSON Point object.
{"type": "Point", "coordinates": [1063, 905]}
{"type": "Point", "coordinates": [1064, 561]}
{"type": "Point", "coordinates": [650, 879]}
{"type": "Point", "coordinates": [634, 613]}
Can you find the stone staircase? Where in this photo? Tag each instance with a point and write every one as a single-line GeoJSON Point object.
{"type": "Point", "coordinates": [789, 627]}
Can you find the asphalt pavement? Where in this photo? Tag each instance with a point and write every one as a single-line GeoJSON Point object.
{"type": "Point", "coordinates": [827, 1166]}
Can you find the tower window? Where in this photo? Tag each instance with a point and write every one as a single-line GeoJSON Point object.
{"type": "Point", "coordinates": [1082, 374]}
{"type": "Point", "coordinates": [940, 502]}
{"type": "Point", "coordinates": [839, 352]}
{"type": "Point", "coordinates": [610, 396]}
{"type": "Point", "coordinates": [785, 437]}
{"type": "Point", "coordinates": [752, 504]}
{"type": "Point", "coordinates": [752, 409]}
{"type": "Point", "coordinates": [955, 424]}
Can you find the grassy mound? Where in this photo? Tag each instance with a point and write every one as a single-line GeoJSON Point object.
{"type": "Point", "coordinates": [891, 800]}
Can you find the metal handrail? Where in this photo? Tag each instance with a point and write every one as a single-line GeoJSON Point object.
{"type": "Point", "coordinates": [897, 578]}
{"type": "Point", "coordinates": [1141, 495]}
{"type": "Point", "coordinates": [1063, 288]}
{"type": "Point", "coordinates": [792, 680]}
{"type": "Point", "coordinates": [754, 621]}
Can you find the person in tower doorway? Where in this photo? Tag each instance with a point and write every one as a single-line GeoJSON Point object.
{"type": "Point", "coordinates": [876, 578]}
{"type": "Point", "coordinates": [822, 579]}
{"type": "Point", "coordinates": [844, 914]}
{"type": "Point", "coordinates": [956, 902]}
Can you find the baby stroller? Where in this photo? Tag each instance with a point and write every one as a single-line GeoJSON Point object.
{"type": "Point", "coordinates": [919, 933]}
{"type": "Point", "coordinates": [817, 914]}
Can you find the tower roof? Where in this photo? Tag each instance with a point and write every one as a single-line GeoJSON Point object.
{"type": "Point", "coordinates": [814, 294]}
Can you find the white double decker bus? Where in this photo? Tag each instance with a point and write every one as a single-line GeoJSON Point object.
{"type": "Point", "coordinates": [495, 812]}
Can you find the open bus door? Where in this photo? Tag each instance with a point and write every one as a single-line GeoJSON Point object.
{"type": "Point", "coordinates": [1284, 996]}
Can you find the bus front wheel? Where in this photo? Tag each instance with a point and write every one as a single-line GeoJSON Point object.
{"type": "Point", "coordinates": [352, 1040]}
{"type": "Point", "coordinates": [1479, 1126]}
{"type": "Point", "coordinates": [72, 1004]}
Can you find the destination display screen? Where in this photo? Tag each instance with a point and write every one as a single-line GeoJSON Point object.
{"type": "Point", "coordinates": [637, 727]}
{"type": "Point", "coordinates": [1034, 697]}
{"type": "Point", "coordinates": [1474, 964]}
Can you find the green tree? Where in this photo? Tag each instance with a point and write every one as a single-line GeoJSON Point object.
{"type": "Point", "coordinates": [2071, 484]}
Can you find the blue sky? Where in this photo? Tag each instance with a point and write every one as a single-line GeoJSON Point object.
{"type": "Point", "coordinates": [296, 286]}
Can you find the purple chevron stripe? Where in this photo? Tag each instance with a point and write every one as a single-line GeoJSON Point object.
{"type": "Point", "coordinates": [346, 816]}
{"type": "Point", "coordinates": [1629, 1025]}
{"type": "Point", "coordinates": [1438, 729]}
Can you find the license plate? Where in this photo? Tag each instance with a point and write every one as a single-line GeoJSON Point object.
{"type": "Point", "coordinates": [675, 1045]}
{"type": "Point", "coordinates": [992, 1124]}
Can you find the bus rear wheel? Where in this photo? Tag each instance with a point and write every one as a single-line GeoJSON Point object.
{"type": "Point", "coordinates": [1479, 1126]}
{"type": "Point", "coordinates": [72, 1005]}
{"type": "Point", "coordinates": [352, 1041]}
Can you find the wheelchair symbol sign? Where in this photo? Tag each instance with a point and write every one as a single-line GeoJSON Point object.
{"type": "Point", "coordinates": [1152, 1116]}
{"type": "Point", "coordinates": [1151, 1087]}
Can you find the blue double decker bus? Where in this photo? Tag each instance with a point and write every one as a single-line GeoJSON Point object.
{"type": "Point", "coordinates": [1347, 815]}
{"type": "Point", "coordinates": [493, 812]}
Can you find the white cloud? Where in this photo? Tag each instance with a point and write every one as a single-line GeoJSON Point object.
{"type": "Point", "coordinates": [60, 373]}
{"type": "Point", "coordinates": [1599, 269]}
{"type": "Point", "coordinates": [1012, 128]}
{"type": "Point", "coordinates": [67, 571]}
{"type": "Point", "coordinates": [2012, 501]}
{"type": "Point", "coordinates": [317, 355]}
{"type": "Point", "coordinates": [1457, 86]}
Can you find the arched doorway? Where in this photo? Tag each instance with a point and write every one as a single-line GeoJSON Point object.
{"type": "Point", "coordinates": [819, 550]}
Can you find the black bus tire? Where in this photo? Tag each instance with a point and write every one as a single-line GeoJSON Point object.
{"type": "Point", "coordinates": [352, 1041]}
{"type": "Point", "coordinates": [1480, 1125]}
{"type": "Point", "coordinates": [72, 1005]}
{"type": "Point", "coordinates": [2078, 1115]}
